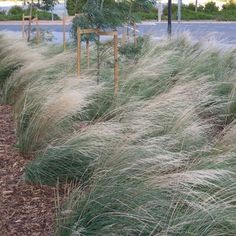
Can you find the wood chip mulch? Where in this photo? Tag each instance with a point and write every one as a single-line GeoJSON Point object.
{"type": "Point", "coordinates": [24, 209]}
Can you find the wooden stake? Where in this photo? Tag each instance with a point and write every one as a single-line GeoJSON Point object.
{"type": "Point", "coordinates": [124, 38]}
{"type": "Point", "coordinates": [127, 30]}
{"type": "Point", "coordinates": [23, 26]}
{"type": "Point", "coordinates": [78, 51]}
{"type": "Point", "coordinates": [64, 31]}
{"type": "Point", "coordinates": [37, 29]}
{"type": "Point", "coordinates": [116, 65]}
{"type": "Point", "coordinates": [135, 37]}
{"type": "Point", "coordinates": [98, 60]}
{"type": "Point", "coordinates": [30, 18]}
{"type": "Point", "coordinates": [88, 52]}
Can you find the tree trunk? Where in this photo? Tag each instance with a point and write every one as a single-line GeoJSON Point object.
{"type": "Point", "coordinates": [102, 3]}
{"type": "Point", "coordinates": [30, 19]}
{"type": "Point", "coordinates": [169, 29]}
{"type": "Point", "coordinates": [98, 60]}
{"type": "Point", "coordinates": [196, 3]}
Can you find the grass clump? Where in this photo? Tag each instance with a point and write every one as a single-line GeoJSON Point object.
{"type": "Point", "coordinates": [16, 12]}
{"type": "Point", "coordinates": [75, 158]}
{"type": "Point", "coordinates": [37, 89]}
{"type": "Point", "coordinates": [170, 174]}
{"type": "Point", "coordinates": [157, 159]}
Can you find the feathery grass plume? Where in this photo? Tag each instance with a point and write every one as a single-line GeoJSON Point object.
{"type": "Point", "coordinates": [10, 61]}
{"type": "Point", "coordinates": [30, 88]}
{"type": "Point", "coordinates": [38, 69]}
{"type": "Point", "coordinates": [76, 158]}
{"type": "Point", "coordinates": [127, 198]}
{"type": "Point", "coordinates": [176, 61]}
{"type": "Point", "coordinates": [158, 159]}
{"type": "Point", "coordinates": [162, 114]}
{"type": "Point", "coordinates": [147, 188]}
{"type": "Point", "coordinates": [55, 162]}
{"type": "Point", "coordinates": [164, 178]}
{"type": "Point", "coordinates": [54, 116]}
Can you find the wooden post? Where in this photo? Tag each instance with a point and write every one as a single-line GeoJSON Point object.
{"type": "Point", "coordinates": [29, 30]}
{"type": "Point", "coordinates": [78, 51]}
{"type": "Point", "coordinates": [124, 38]}
{"type": "Point", "coordinates": [64, 31]}
{"type": "Point", "coordinates": [127, 30]}
{"type": "Point", "coordinates": [88, 52]}
{"type": "Point", "coordinates": [37, 29]}
{"type": "Point", "coordinates": [98, 59]}
{"type": "Point", "coordinates": [30, 18]}
{"type": "Point", "coordinates": [23, 26]}
{"type": "Point", "coordinates": [116, 65]}
{"type": "Point", "coordinates": [134, 33]}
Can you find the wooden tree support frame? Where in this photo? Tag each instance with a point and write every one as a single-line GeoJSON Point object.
{"type": "Point", "coordinates": [124, 38]}
{"type": "Point", "coordinates": [64, 31]}
{"type": "Point", "coordinates": [126, 35]}
{"type": "Point", "coordinates": [80, 32]}
{"type": "Point", "coordinates": [135, 35]}
{"type": "Point", "coordinates": [29, 18]}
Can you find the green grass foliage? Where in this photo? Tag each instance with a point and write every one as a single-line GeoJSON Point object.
{"type": "Point", "coordinates": [16, 13]}
{"type": "Point", "coordinates": [157, 159]}
{"type": "Point", "coordinates": [207, 12]}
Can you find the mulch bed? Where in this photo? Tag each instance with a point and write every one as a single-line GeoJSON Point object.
{"type": "Point", "coordinates": [24, 209]}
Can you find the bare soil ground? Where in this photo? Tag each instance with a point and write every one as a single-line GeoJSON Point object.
{"type": "Point", "coordinates": [24, 209]}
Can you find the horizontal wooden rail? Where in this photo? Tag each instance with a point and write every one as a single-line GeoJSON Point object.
{"type": "Point", "coordinates": [26, 17]}
{"type": "Point", "coordinates": [87, 31]}
{"type": "Point", "coordinates": [96, 31]}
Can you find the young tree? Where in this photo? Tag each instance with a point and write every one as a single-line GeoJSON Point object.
{"type": "Point", "coordinates": [75, 6]}
{"type": "Point", "coordinates": [48, 5]}
{"type": "Point", "coordinates": [108, 14]}
{"type": "Point", "coordinates": [105, 15]}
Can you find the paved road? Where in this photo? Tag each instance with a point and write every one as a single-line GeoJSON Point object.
{"type": "Point", "coordinates": [221, 31]}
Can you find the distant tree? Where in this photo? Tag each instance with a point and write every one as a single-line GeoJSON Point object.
{"type": "Point", "coordinates": [211, 7]}
{"type": "Point", "coordinates": [48, 5]}
{"type": "Point", "coordinates": [105, 15]}
{"type": "Point", "coordinates": [108, 13]}
{"type": "Point", "coordinates": [75, 6]}
{"type": "Point", "coordinates": [230, 5]}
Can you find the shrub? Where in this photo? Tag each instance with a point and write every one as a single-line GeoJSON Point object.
{"type": "Point", "coordinates": [16, 10]}
{"type": "Point", "coordinates": [202, 14]}
{"type": "Point", "coordinates": [231, 5]}
{"type": "Point", "coordinates": [226, 15]}
{"type": "Point", "coordinates": [200, 8]}
{"type": "Point", "coordinates": [74, 6]}
{"type": "Point", "coordinates": [191, 15]}
{"type": "Point", "coordinates": [211, 7]}
{"type": "Point", "coordinates": [188, 14]}
{"type": "Point", "coordinates": [44, 15]}
{"type": "Point", "coordinates": [152, 15]}
{"type": "Point", "coordinates": [2, 12]}
{"type": "Point", "coordinates": [191, 7]}
{"type": "Point", "coordinates": [48, 5]}
{"type": "Point", "coordinates": [174, 9]}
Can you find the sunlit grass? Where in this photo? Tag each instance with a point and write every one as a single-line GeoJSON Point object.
{"type": "Point", "coordinates": [157, 159]}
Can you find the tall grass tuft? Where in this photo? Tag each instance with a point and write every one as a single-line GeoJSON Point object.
{"type": "Point", "coordinates": [157, 159]}
{"type": "Point", "coordinates": [170, 174]}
